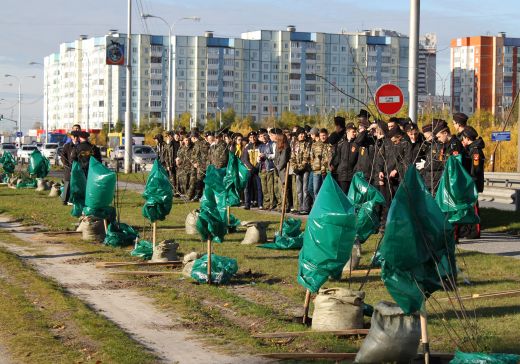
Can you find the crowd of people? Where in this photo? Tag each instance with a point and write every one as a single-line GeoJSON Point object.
{"type": "Point", "coordinates": [302, 157]}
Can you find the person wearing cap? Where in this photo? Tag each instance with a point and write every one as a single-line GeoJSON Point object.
{"type": "Point", "coordinates": [301, 165]}
{"type": "Point", "coordinates": [200, 161]}
{"type": "Point", "coordinates": [398, 157]}
{"type": "Point", "coordinates": [186, 174]}
{"type": "Point", "coordinates": [170, 151]}
{"type": "Point", "coordinates": [363, 120]}
{"type": "Point", "coordinates": [474, 148]}
{"type": "Point", "coordinates": [417, 141]}
{"type": "Point", "coordinates": [321, 155]}
{"type": "Point", "coordinates": [66, 161]}
{"type": "Point", "coordinates": [218, 151]}
{"type": "Point", "coordinates": [339, 131]}
{"type": "Point", "coordinates": [266, 169]}
{"type": "Point", "coordinates": [160, 148]}
{"type": "Point", "coordinates": [366, 140]}
{"type": "Point", "coordinates": [250, 158]}
{"type": "Point", "coordinates": [460, 120]}
{"type": "Point", "coordinates": [281, 158]}
{"type": "Point", "coordinates": [345, 157]}
{"type": "Point", "coordinates": [474, 164]}
{"type": "Point", "coordinates": [84, 150]}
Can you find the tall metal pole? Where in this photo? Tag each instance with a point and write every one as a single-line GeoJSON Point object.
{"type": "Point", "coordinates": [19, 107]}
{"type": "Point", "coordinates": [170, 80]}
{"type": "Point", "coordinates": [128, 116]}
{"type": "Point", "coordinates": [88, 92]}
{"type": "Point", "coordinates": [413, 58]}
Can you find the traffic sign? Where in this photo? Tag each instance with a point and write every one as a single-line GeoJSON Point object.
{"type": "Point", "coordinates": [389, 99]}
{"type": "Point", "coordinates": [501, 136]}
{"type": "Point", "coordinates": [19, 134]}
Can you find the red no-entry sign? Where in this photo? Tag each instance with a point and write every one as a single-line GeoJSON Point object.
{"type": "Point", "coordinates": [389, 99]}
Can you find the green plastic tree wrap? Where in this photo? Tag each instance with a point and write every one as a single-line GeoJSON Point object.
{"type": "Point", "coordinates": [143, 249]}
{"type": "Point", "coordinates": [8, 162]}
{"type": "Point", "coordinates": [418, 247]}
{"type": "Point", "coordinates": [457, 193]}
{"type": "Point", "coordinates": [101, 186]}
{"type": "Point", "coordinates": [158, 194]}
{"type": "Point", "coordinates": [77, 186]}
{"type": "Point", "coordinates": [328, 238]}
{"type": "Point", "coordinates": [235, 179]}
{"type": "Point", "coordinates": [39, 166]}
{"type": "Point", "coordinates": [484, 358]}
{"type": "Point", "coordinates": [222, 269]}
{"type": "Point", "coordinates": [119, 235]}
{"type": "Point", "coordinates": [366, 198]}
{"type": "Point", "coordinates": [291, 238]}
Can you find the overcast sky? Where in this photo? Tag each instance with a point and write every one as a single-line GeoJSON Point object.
{"type": "Point", "coordinates": [32, 29]}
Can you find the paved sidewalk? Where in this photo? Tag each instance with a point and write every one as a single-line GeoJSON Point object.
{"type": "Point", "coordinates": [494, 243]}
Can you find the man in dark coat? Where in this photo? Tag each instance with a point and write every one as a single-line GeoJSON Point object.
{"type": "Point", "coordinates": [345, 157]}
{"type": "Point", "coordinates": [66, 160]}
{"type": "Point", "coordinates": [84, 150]}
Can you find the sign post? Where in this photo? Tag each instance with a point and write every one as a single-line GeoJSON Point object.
{"type": "Point", "coordinates": [389, 99]}
{"type": "Point", "coordinates": [501, 136]}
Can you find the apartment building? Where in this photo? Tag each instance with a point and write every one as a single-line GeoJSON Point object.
{"type": "Point", "coordinates": [484, 73]}
{"type": "Point", "coordinates": [262, 73]}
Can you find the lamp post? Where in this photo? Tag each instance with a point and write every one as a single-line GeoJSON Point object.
{"type": "Point", "coordinates": [46, 80]}
{"type": "Point", "coordinates": [170, 121]}
{"type": "Point", "coordinates": [19, 99]}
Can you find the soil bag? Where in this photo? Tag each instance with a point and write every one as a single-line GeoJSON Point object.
{"type": "Point", "coordinates": [256, 233]}
{"type": "Point", "coordinates": [457, 193]}
{"type": "Point", "coordinates": [418, 248]}
{"type": "Point", "coordinates": [158, 194]}
{"type": "Point", "coordinates": [222, 269]}
{"type": "Point", "coordinates": [92, 229]}
{"type": "Point", "coordinates": [77, 187]}
{"type": "Point", "coordinates": [291, 238]}
{"type": "Point", "coordinates": [119, 235]}
{"type": "Point", "coordinates": [393, 336]}
{"type": "Point", "coordinates": [338, 309]}
{"type": "Point", "coordinates": [8, 162]}
{"type": "Point", "coordinates": [165, 251]}
{"type": "Point", "coordinates": [235, 179]}
{"type": "Point", "coordinates": [484, 358]}
{"type": "Point", "coordinates": [190, 223]}
{"type": "Point", "coordinates": [143, 249]}
{"type": "Point", "coordinates": [366, 200]}
{"type": "Point", "coordinates": [39, 166]}
{"type": "Point", "coordinates": [328, 238]}
{"type": "Point", "coordinates": [101, 185]}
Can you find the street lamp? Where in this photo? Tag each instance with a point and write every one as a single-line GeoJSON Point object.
{"type": "Point", "coordinates": [19, 99]}
{"type": "Point", "coordinates": [170, 121]}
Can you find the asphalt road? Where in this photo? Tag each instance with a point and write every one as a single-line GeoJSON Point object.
{"type": "Point", "coordinates": [494, 243]}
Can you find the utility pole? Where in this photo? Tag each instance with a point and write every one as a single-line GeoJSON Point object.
{"type": "Point", "coordinates": [413, 58]}
{"type": "Point", "coordinates": [518, 138]}
{"type": "Point", "coordinates": [128, 115]}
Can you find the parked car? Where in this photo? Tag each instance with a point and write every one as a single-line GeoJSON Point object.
{"type": "Point", "coordinates": [118, 152]}
{"type": "Point", "coordinates": [49, 150]}
{"type": "Point", "coordinates": [143, 154]}
{"type": "Point", "coordinates": [8, 147]}
{"type": "Point", "coordinates": [103, 151]}
{"type": "Point", "coordinates": [57, 156]}
{"type": "Point", "coordinates": [24, 153]}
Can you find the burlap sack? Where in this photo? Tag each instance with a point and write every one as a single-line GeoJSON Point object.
{"type": "Point", "coordinates": [165, 251]}
{"type": "Point", "coordinates": [338, 309]}
{"type": "Point", "coordinates": [256, 233]}
{"type": "Point", "coordinates": [92, 228]}
{"type": "Point", "coordinates": [191, 222]}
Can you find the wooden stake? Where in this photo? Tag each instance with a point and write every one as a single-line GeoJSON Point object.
{"type": "Point", "coordinates": [284, 198]}
{"type": "Point", "coordinates": [278, 335]}
{"type": "Point", "coordinates": [125, 264]}
{"type": "Point", "coordinates": [105, 224]}
{"type": "Point", "coordinates": [306, 306]}
{"type": "Point", "coordinates": [424, 335]}
{"type": "Point", "coordinates": [154, 234]}
{"type": "Point", "coordinates": [228, 214]}
{"type": "Point", "coordinates": [209, 261]}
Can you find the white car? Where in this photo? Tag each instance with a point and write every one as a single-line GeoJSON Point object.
{"type": "Point", "coordinates": [24, 153]}
{"type": "Point", "coordinates": [49, 150]}
{"type": "Point", "coordinates": [8, 147]}
{"type": "Point", "coordinates": [143, 154]}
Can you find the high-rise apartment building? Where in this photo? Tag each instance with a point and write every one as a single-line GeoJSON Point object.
{"type": "Point", "coordinates": [261, 74]}
{"type": "Point", "coordinates": [484, 73]}
{"type": "Point", "coordinates": [427, 72]}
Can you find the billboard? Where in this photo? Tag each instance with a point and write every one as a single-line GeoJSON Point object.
{"type": "Point", "coordinates": [115, 51]}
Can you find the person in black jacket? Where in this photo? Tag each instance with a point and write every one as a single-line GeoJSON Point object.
{"type": "Point", "coordinates": [397, 157]}
{"type": "Point", "coordinates": [417, 141]}
{"type": "Point", "coordinates": [345, 157]}
{"type": "Point", "coordinates": [460, 121]}
{"type": "Point", "coordinates": [66, 160]}
{"type": "Point", "coordinates": [339, 133]}
{"type": "Point", "coordinates": [84, 150]}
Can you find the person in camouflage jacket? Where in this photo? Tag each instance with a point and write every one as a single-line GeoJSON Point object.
{"type": "Point", "coordinates": [200, 161]}
{"type": "Point", "coordinates": [218, 152]}
{"type": "Point", "coordinates": [321, 154]}
{"type": "Point", "coordinates": [301, 164]}
{"type": "Point", "coordinates": [186, 174]}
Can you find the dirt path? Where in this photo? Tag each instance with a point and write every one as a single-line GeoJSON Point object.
{"type": "Point", "coordinates": [161, 332]}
